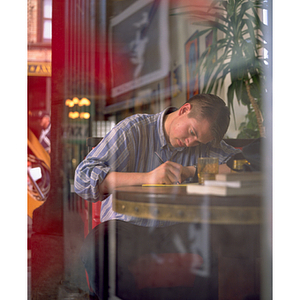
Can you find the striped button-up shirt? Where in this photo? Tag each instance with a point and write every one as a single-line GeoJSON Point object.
{"type": "Point", "coordinates": [44, 138]}
{"type": "Point", "coordinates": [130, 147]}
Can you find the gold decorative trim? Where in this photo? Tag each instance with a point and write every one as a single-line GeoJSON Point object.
{"type": "Point", "coordinates": [39, 69]}
{"type": "Point", "coordinates": [243, 215]}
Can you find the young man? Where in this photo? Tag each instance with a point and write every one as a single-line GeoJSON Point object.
{"type": "Point", "coordinates": [128, 154]}
{"type": "Point", "coordinates": [160, 148]}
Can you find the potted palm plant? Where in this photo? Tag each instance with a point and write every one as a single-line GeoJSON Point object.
{"type": "Point", "coordinates": [236, 52]}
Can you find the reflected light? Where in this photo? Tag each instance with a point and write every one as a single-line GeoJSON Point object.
{"type": "Point", "coordinates": [75, 100]}
{"type": "Point", "coordinates": [69, 103]}
{"type": "Point", "coordinates": [73, 114]}
{"type": "Point", "coordinates": [84, 115]}
{"type": "Point", "coordinates": [84, 101]}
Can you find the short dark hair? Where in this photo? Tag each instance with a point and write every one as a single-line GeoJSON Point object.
{"type": "Point", "coordinates": [213, 109]}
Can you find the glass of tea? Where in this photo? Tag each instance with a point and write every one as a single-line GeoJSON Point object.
{"type": "Point", "coordinates": [208, 167]}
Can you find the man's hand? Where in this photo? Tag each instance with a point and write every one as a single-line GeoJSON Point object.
{"type": "Point", "coordinates": [169, 173]}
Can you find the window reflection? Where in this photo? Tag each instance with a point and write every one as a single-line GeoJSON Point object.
{"type": "Point", "coordinates": [47, 20]}
{"type": "Point", "coordinates": [112, 60]}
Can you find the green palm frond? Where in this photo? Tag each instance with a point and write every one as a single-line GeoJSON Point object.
{"type": "Point", "coordinates": [237, 54]}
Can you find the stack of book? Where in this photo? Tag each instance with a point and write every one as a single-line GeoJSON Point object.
{"type": "Point", "coordinates": [231, 184]}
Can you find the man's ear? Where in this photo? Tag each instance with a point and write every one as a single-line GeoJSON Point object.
{"type": "Point", "coordinates": [185, 109]}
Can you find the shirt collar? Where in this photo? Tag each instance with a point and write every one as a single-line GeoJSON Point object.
{"type": "Point", "coordinates": [47, 129]}
{"type": "Point", "coordinates": [160, 124]}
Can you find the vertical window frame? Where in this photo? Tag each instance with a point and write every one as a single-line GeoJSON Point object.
{"type": "Point", "coordinates": [41, 20]}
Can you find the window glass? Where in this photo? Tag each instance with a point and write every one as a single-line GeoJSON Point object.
{"type": "Point", "coordinates": [48, 9]}
{"type": "Point", "coordinates": [47, 34]}
{"type": "Point", "coordinates": [110, 71]}
{"type": "Point", "coordinates": [47, 20]}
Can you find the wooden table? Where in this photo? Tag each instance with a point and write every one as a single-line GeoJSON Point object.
{"type": "Point", "coordinates": [234, 229]}
{"type": "Point", "coordinates": [174, 204]}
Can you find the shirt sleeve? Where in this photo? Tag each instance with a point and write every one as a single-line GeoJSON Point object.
{"type": "Point", "coordinates": [111, 154]}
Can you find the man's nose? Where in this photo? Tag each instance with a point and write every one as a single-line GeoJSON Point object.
{"type": "Point", "coordinates": [190, 141]}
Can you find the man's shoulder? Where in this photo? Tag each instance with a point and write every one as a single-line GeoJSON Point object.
{"type": "Point", "coordinates": [139, 120]}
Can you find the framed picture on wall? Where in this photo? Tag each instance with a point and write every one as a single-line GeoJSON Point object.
{"type": "Point", "coordinates": [139, 48]}
{"type": "Point", "coordinates": [191, 68]}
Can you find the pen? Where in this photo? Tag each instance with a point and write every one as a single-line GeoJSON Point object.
{"type": "Point", "coordinates": [161, 160]}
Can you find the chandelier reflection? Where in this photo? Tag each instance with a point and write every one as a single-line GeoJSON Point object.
{"type": "Point", "coordinates": [75, 101]}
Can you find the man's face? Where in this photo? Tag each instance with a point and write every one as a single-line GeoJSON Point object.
{"type": "Point", "coordinates": [44, 122]}
{"type": "Point", "coordinates": [188, 132]}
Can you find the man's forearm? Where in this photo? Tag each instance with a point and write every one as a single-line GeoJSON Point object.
{"type": "Point", "coordinates": [116, 179]}
{"type": "Point", "coordinates": [159, 175]}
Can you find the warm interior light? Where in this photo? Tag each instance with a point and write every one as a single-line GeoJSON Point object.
{"type": "Point", "coordinates": [75, 100]}
{"type": "Point", "coordinates": [67, 102]}
{"type": "Point", "coordinates": [84, 101]}
{"type": "Point", "coordinates": [84, 115]}
{"type": "Point", "coordinates": [73, 114]}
